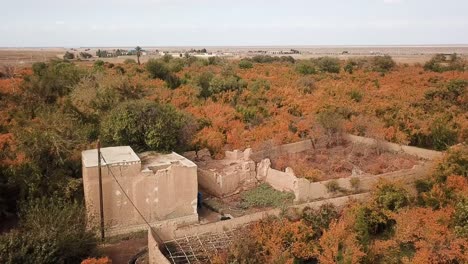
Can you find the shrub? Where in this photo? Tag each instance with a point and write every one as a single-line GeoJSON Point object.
{"type": "Point", "coordinates": [328, 64]}
{"type": "Point", "coordinates": [167, 58]}
{"type": "Point", "coordinates": [68, 56]}
{"type": "Point", "coordinates": [306, 84]}
{"type": "Point", "coordinates": [369, 223]}
{"type": "Point", "coordinates": [391, 197]}
{"type": "Point", "coordinates": [305, 68]}
{"type": "Point", "coordinates": [245, 64]}
{"type": "Point", "coordinates": [98, 66]}
{"type": "Point", "coordinates": [145, 125]}
{"type": "Point", "coordinates": [203, 81]}
{"type": "Point", "coordinates": [259, 85]}
{"type": "Point", "coordinates": [382, 63]}
{"type": "Point", "coordinates": [460, 218]}
{"type": "Point", "coordinates": [265, 196]}
{"type": "Point", "coordinates": [51, 231]}
{"type": "Point", "coordinates": [176, 65]}
{"type": "Point", "coordinates": [454, 163]}
{"type": "Point", "coordinates": [157, 69]}
{"type": "Point", "coordinates": [172, 81]}
{"type": "Point", "coordinates": [129, 61]}
{"type": "Point", "coordinates": [319, 218]}
{"type": "Point", "coordinates": [355, 183]}
{"type": "Point", "coordinates": [120, 70]}
{"type": "Point", "coordinates": [332, 122]}
{"type": "Point", "coordinates": [350, 66]}
{"type": "Point", "coordinates": [231, 83]}
{"type": "Point", "coordinates": [355, 96]}
{"type": "Point", "coordinates": [50, 81]}
{"type": "Point", "coordinates": [440, 63]}
{"type": "Point", "coordinates": [264, 59]}
{"type": "Point", "coordinates": [442, 134]}
{"type": "Point", "coordinates": [333, 186]}
{"type": "Point", "coordinates": [214, 60]}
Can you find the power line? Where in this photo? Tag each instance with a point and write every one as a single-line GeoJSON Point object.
{"type": "Point", "coordinates": [131, 202]}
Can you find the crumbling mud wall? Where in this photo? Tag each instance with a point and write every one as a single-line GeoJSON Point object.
{"type": "Point", "coordinates": [236, 172]}
{"type": "Point", "coordinates": [275, 151]}
{"type": "Point", "coordinates": [233, 174]}
{"type": "Point", "coordinates": [155, 256]}
{"type": "Point", "coordinates": [426, 154]}
{"type": "Point", "coordinates": [305, 190]}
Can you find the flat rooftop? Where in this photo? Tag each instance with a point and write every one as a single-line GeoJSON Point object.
{"type": "Point", "coordinates": [154, 161]}
{"type": "Point", "coordinates": [111, 155]}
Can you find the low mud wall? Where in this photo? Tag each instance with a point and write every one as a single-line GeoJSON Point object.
{"type": "Point", "coordinates": [155, 256]}
{"type": "Point", "coordinates": [234, 223]}
{"type": "Point", "coordinates": [388, 146]}
{"type": "Point", "coordinates": [281, 150]}
{"type": "Point", "coordinates": [306, 190]}
{"type": "Point", "coordinates": [281, 181]}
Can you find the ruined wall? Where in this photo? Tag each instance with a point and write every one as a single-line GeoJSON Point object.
{"type": "Point", "coordinates": [281, 150]}
{"type": "Point", "coordinates": [165, 194]}
{"type": "Point", "coordinates": [235, 173]}
{"type": "Point", "coordinates": [281, 181]}
{"type": "Point", "coordinates": [155, 256]}
{"type": "Point", "coordinates": [415, 151]}
{"type": "Point", "coordinates": [306, 190]}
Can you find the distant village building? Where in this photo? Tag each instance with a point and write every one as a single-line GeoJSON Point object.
{"type": "Point", "coordinates": [163, 187]}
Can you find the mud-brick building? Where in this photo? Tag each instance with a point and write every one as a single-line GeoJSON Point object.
{"type": "Point", "coordinates": [162, 186]}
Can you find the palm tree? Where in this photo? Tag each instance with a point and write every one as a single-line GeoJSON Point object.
{"type": "Point", "coordinates": [138, 53]}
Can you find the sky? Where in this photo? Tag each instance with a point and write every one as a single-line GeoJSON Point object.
{"type": "Point", "coordinates": [156, 23]}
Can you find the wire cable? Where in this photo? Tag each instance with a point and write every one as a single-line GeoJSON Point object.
{"type": "Point", "coordinates": [130, 200]}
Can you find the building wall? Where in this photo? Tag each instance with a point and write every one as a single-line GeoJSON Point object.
{"type": "Point", "coordinates": [166, 194]}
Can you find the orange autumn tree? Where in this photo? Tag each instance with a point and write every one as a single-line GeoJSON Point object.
{"type": "Point", "coordinates": [272, 241]}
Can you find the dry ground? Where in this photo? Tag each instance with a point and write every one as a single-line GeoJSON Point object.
{"type": "Point", "coordinates": [339, 161]}
{"type": "Point", "coordinates": [401, 54]}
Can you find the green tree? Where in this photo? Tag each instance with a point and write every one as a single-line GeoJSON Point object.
{"type": "Point", "coordinates": [48, 83]}
{"type": "Point", "coordinates": [138, 50]}
{"type": "Point", "coordinates": [245, 64]}
{"type": "Point", "coordinates": [146, 125]}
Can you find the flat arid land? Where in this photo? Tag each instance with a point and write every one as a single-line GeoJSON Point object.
{"type": "Point", "coordinates": [401, 54]}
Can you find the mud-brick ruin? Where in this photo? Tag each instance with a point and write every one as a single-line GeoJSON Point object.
{"type": "Point", "coordinates": [162, 186]}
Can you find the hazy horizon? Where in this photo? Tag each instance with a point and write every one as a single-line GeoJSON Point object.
{"type": "Point", "coordinates": [164, 23]}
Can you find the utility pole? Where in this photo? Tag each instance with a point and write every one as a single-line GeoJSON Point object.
{"type": "Point", "coordinates": [101, 203]}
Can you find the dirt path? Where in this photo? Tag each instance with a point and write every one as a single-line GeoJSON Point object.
{"type": "Point", "coordinates": [121, 252]}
